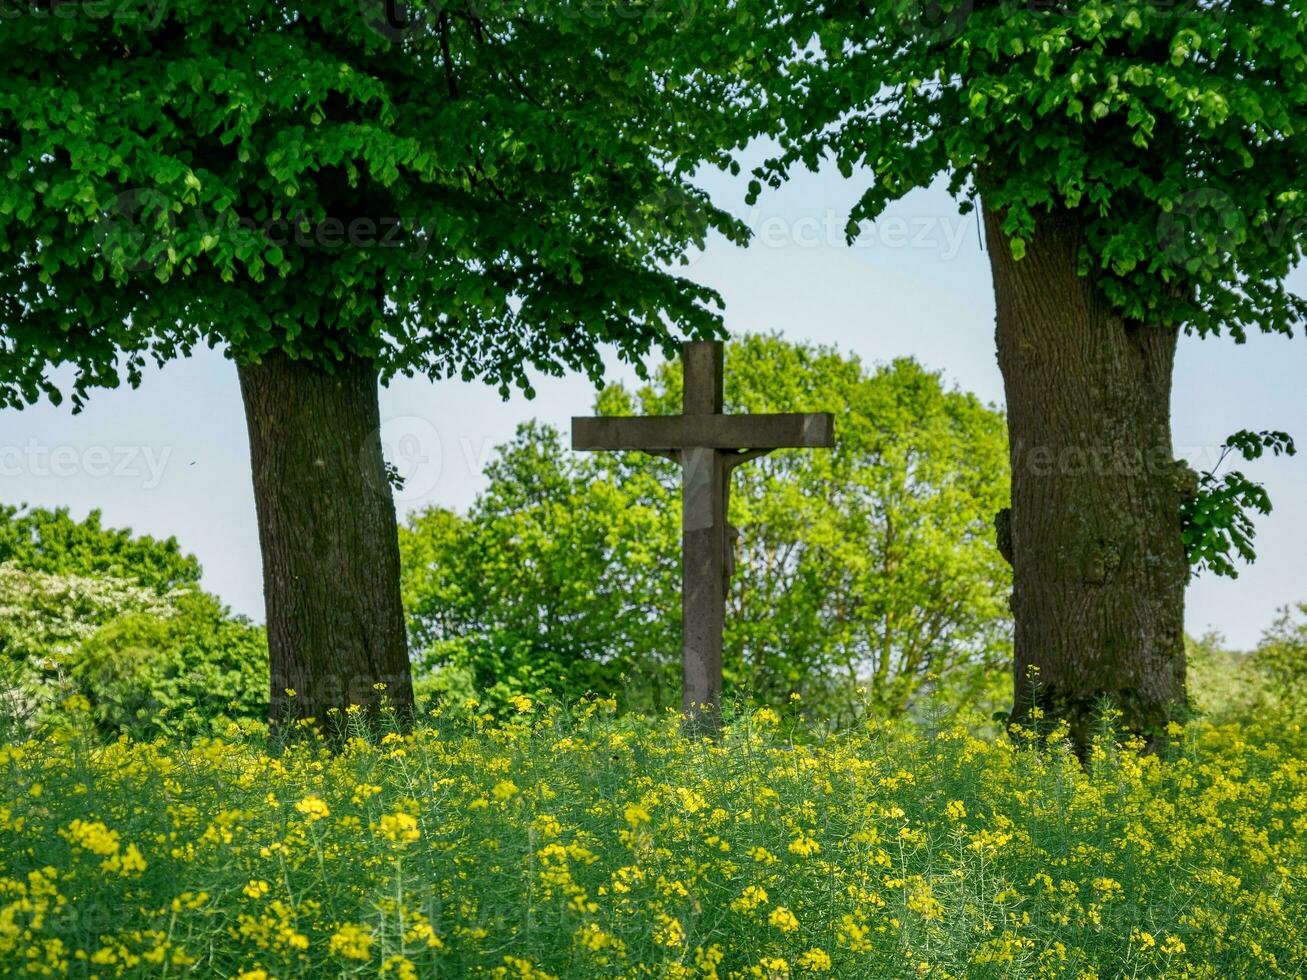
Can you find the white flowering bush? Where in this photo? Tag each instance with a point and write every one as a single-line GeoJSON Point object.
{"type": "Point", "coordinates": [146, 661]}
{"type": "Point", "coordinates": [44, 617]}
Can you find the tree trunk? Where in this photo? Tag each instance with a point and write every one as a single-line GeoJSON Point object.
{"type": "Point", "coordinates": [1099, 568]}
{"type": "Point", "coordinates": [329, 540]}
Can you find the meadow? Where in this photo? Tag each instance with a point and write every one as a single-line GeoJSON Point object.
{"type": "Point", "coordinates": [577, 842]}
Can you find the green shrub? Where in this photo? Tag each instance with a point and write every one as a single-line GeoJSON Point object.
{"type": "Point", "coordinates": [1281, 658]}
{"type": "Point", "coordinates": [190, 671]}
{"type": "Point", "coordinates": [44, 617]}
{"type": "Point", "coordinates": [50, 541]}
{"type": "Point", "coordinates": [1223, 684]}
{"type": "Point", "coordinates": [1271, 681]}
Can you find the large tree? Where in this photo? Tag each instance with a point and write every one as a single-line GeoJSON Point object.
{"type": "Point", "coordinates": [336, 193]}
{"type": "Point", "coordinates": [1138, 166]}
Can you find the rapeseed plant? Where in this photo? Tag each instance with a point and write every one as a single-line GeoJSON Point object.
{"type": "Point", "coordinates": [561, 844]}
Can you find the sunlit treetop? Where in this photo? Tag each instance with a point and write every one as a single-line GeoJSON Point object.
{"type": "Point", "coordinates": [1175, 129]}
{"type": "Point", "coordinates": [50, 541]}
{"type": "Point", "coordinates": [469, 188]}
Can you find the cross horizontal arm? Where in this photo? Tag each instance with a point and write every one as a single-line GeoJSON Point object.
{"type": "Point", "coordinates": [812, 430]}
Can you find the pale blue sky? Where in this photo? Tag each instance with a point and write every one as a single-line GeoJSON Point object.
{"type": "Point", "coordinates": [171, 457]}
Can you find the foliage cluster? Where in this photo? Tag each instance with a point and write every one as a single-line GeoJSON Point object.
{"type": "Point", "coordinates": [576, 844]}
{"type": "Point", "coordinates": [1216, 523]}
{"type": "Point", "coordinates": [50, 541]}
{"type": "Point", "coordinates": [467, 189]}
{"type": "Point", "coordinates": [870, 566]}
{"type": "Point", "coordinates": [1167, 129]}
{"type": "Point", "coordinates": [1269, 681]}
{"type": "Point", "coordinates": [120, 622]}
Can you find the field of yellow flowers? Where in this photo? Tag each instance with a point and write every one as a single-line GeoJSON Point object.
{"type": "Point", "coordinates": [581, 844]}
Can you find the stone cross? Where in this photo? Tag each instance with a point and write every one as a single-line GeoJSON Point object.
{"type": "Point", "coordinates": [707, 445]}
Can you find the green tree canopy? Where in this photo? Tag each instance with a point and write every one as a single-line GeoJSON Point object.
{"type": "Point", "coordinates": [50, 541]}
{"type": "Point", "coordinates": [189, 670]}
{"type": "Point", "coordinates": [859, 572]}
{"type": "Point", "coordinates": [1281, 658]}
{"type": "Point", "coordinates": [1172, 128]}
{"type": "Point", "coordinates": [337, 193]}
{"type": "Point", "coordinates": [470, 190]}
{"type": "Point", "coordinates": [561, 577]}
{"type": "Point", "coordinates": [121, 620]}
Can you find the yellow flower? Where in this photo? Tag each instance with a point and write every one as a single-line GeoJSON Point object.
{"type": "Point", "coordinates": [668, 931]}
{"type": "Point", "coordinates": [636, 814]}
{"type": "Point", "coordinates": [921, 899]}
{"type": "Point", "coordinates": [504, 790]}
{"type": "Point", "coordinates": [93, 836]}
{"type": "Point", "coordinates": [815, 960]}
{"type": "Point", "coordinates": [804, 846]}
{"type": "Point", "coordinates": [400, 828]}
{"type": "Point", "coordinates": [255, 888]}
{"type": "Point", "coordinates": [400, 966]}
{"type": "Point", "coordinates": [313, 808]}
{"type": "Point", "coordinates": [520, 969]}
{"type": "Point", "coordinates": [783, 919]}
{"type": "Point", "coordinates": [750, 899]}
{"type": "Point", "coordinates": [955, 810]}
{"type": "Point", "coordinates": [353, 942]}
{"type": "Point", "coordinates": [770, 968]}
{"type": "Point", "coordinates": [130, 861]}
{"type": "Point", "coordinates": [853, 934]}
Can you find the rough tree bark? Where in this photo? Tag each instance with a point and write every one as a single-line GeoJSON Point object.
{"type": "Point", "coordinates": [328, 535]}
{"type": "Point", "coordinates": [1093, 535]}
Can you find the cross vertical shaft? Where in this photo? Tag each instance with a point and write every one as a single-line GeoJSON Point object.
{"type": "Point", "coordinates": [703, 544]}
